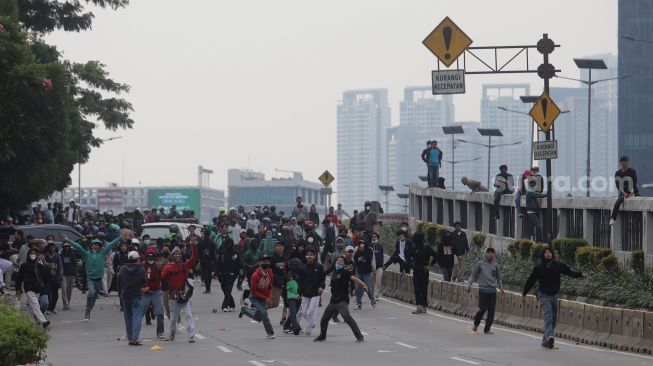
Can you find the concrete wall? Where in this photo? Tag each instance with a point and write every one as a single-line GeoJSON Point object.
{"type": "Point", "coordinates": [575, 217]}
{"type": "Point", "coordinates": [614, 328]}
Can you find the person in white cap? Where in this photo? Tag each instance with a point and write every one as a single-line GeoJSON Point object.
{"type": "Point", "coordinates": [132, 278]}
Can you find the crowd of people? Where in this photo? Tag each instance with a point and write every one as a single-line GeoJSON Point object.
{"type": "Point", "coordinates": [273, 261]}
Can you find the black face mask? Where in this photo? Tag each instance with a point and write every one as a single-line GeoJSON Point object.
{"type": "Point", "coordinates": [165, 254]}
{"type": "Point", "coordinates": [265, 265]}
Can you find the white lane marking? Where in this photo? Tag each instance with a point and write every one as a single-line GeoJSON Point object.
{"type": "Point", "coordinates": [224, 349]}
{"type": "Point", "coordinates": [256, 363]}
{"type": "Point", "coordinates": [464, 360]}
{"type": "Point", "coordinates": [199, 336]}
{"type": "Point", "coordinates": [384, 351]}
{"type": "Point", "coordinates": [525, 334]}
{"type": "Point", "coordinates": [406, 345]}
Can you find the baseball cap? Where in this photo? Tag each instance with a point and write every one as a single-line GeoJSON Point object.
{"type": "Point", "coordinates": [133, 255]}
{"type": "Point", "coordinates": [349, 249]}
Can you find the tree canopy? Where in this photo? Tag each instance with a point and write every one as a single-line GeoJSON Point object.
{"type": "Point", "coordinates": [48, 105]}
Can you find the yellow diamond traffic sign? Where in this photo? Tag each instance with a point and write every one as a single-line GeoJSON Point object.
{"type": "Point", "coordinates": [545, 112]}
{"type": "Point", "coordinates": [326, 178]}
{"type": "Point", "coordinates": [447, 41]}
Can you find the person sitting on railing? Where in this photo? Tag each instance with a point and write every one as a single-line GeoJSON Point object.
{"type": "Point", "coordinates": [474, 185]}
{"type": "Point", "coordinates": [626, 181]}
{"type": "Point", "coordinates": [503, 184]}
{"type": "Point", "coordinates": [533, 210]}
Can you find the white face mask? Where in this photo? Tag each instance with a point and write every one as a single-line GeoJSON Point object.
{"type": "Point", "coordinates": [32, 256]}
{"type": "Point", "coordinates": [150, 261]}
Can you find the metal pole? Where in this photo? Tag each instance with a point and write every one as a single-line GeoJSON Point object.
{"type": "Point", "coordinates": [489, 156]}
{"type": "Point", "coordinates": [453, 162]}
{"type": "Point", "coordinates": [548, 222]}
{"type": "Point", "coordinates": [387, 208]}
{"type": "Point", "coordinates": [530, 160]}
{"type": "Point", "coordinates": [589, 111]}
{"type": "Point", "coordinates": [79, 183]}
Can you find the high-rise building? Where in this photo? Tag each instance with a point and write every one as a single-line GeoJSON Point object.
{"type": "Point", "coordinates": [363, 117]}
{"type": "Point", "coordinates": [636, 92]}
{"type": "Point", "coordinates": [421, 109]}
{"type": "Point", "coordinates": [515, 127]}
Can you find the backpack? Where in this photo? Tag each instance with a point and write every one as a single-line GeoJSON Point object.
{"type": "Point", "coordinates": [186, 293]}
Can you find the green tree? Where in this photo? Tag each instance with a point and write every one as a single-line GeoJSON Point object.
{"type": "Point", "coordinates": [49, 106]}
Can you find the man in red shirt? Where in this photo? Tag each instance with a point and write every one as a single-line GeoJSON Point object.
{"type": "Point", "coordinates": [176, 274]}
{"type": "Point", "coordinates": [261, 293]}
{"type": "Point", "coordinates": [152, 289]}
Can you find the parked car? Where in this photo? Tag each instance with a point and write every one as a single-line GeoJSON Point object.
{"type": "Point", "coordinates": [164, 229]}
{"type": "Point", "coordinates": [42, 231]}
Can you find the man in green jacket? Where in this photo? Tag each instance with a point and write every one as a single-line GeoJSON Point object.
{"type": "Point", "coordinates": [94, 263]}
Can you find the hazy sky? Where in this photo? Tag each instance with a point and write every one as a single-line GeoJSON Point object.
{"type": "Point", "coordinates": [255, 84]}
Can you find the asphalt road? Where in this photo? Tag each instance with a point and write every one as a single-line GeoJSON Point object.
{"type": "Point", "coordinates": [393, 336]}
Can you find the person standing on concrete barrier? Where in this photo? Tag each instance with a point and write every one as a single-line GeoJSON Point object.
{"type": "Point", "coordinates": [626, 181]}
{"type": "Point", "coordinates": [547, 274]}
{"type": "Point", "coordinates": [419, 258]}
{"type": "Point", "coordinates": [460, 249]}
{"type": "Point", "coordinates": [503, 184]}
{"type": "Point", "coordinates": [533, 210]}
{"type": "Point", "coordinates": [486, 274]}
{"type": "Point", "coordinates": [432, 156]}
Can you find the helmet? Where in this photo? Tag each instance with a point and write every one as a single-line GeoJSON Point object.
{"type": "Point", "coordinates": [221, 209]}
{"type": "Point", "coordinates": [95, 229]}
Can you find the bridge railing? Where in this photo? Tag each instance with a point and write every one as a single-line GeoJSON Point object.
{"type": "Point", "coordinates": [575, 217]}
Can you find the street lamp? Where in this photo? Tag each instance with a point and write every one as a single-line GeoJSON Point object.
{"type": "Point", "coordinates": [79, 172]}
{"type": "Point", "coordinates": [453, 131]}
{"type": "Point", "coordinates": [387, 190]}
{"type": "Point", "coordinates": [590, 64]}
{"type": "Point", "coordinates": [453, 163]}
{"type": "Point", "coordinates": [489, 132]}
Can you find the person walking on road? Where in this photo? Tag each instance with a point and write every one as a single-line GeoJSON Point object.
{"type": "Point", "coordinates": [378, 249]}
{"type": "Point", "coordinates": [132, 278]}
{"type": "Point", "coordinates": [261, 293]}
{"type": "Point", "coordinates": [547, 274]}
{"type": "Point", "coordinates": [175, 273]}
{"type": "Point", "coordinates": [207, 256]}
{"type": "Point", "coordinates": [626, 181]}
{"type": "Point", "coordinates": [422, 258]}
{"type": "Point", "coordinates": [311, 286]}
{"type": "Point", "coordinates": [152, 295]}
{"type": "Point", "coordinates": [228, 266]}
{"type": "Point", "coordinates": [69, 266]}
{"type": "Point", "coordinates": [445, 255]}
{"type": "Point", "coordinates": [460, 249]}
{"type": "Point", "coordinates": [32, 278]}
{"type": "Point", "coordinates": [53, 262]}
{"type": "Point", "coordinates": [339, 303]}
{"type": "Point", "coordinates": [432, 156]}
{"type": "Point", "coordinates": [486, 274]}
{"type": "Point", "coordinates": [364, 258]}
{"type": "Point", "coordinates": [94, 263]}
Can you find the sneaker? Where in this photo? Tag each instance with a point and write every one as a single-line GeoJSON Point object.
{"type": "Point", "coordinates": [46, 324]}
{"type": "Point", "coordinates": [550, 342]}
{"type": "Point", "coordinates": [374, 304]}
{"type": "Point", "coordinates": [360, 340]}
{"type": "Point", "coordinates": [319, 339]}
{"type": "Point", "coordinates": [172, 337]}
{"type": "Point", "coordinates": [53, 311]}
{"type": "Point", "coordinates": [240, 313]}
{"type": "Point", "coordinates": [521, 215]}
{"type": "Point", "coordinates": [148, 322]}
{"type": "Point", "coordinates": [358, 307]}
{"type": "Point", "coordinates": [87, 316]}
{"type": "Point", "coordinates": [287, 331]}
{"type": "Point", "coordinates": [224, 310]}
{"type": "Point", "coordinates": [161, 337]}
{"type": "Point", "coordinates": [612, 222]}
{"type": "Point", "coordinates": [283, 320]}
{"type": "Point", "coordinates": [191, 339]}
{"type": "Point", "coordinates": [47, 312]}
{"type": "Point", "coordinates": [271, 336]}
{"type": "Point", "coordinates": [336, 319]}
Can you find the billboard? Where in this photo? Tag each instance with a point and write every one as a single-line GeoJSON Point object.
{"type": "Point", "coordinates": [110, 199]}
{"type": "Point", "coordinates": [184, 198]}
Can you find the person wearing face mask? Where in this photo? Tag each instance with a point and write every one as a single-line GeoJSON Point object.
{"type": "Point", "coordinates": [32, 278]}
{"type": "Point", "coordinates": [152, 289]}
{"type": "Point", "coordinates": [132, 278]}
{"type": "Point", "coordinates": [378, 249]}
{"type": "Point", "coordinates": [120, 259]}
{"type": "Point", "coordinates": [300, 251]}
{"type": "Point", "coordinates": [261, 293]}
{"type": "Point", "coordinates": [364, 267]}
{"type": "Point", "coordinates": [249, 264]}
{"type": "Point", "coordinates": [164, 258]}
{"type": "Point", "coordinates": [94, 263]}
{"type": "Point", "coordinates": [53, 262]}
{"type": "Point", "coordinates": [339, 303]}
{"type": "Point", "coordinates": [422, 258]}
{"type": "Point", "coordinates": [329, 231]}
{"type": "Point", "coordinates": [267, 244]}
{"type": "Point", "coordinates": [69, 268]}
{"type": "Point", "coordinates": [228, 266]}
{"type": "Point", "coordinates": [367, 218]}
{"type": "Point", "coordinates": [176, 273]}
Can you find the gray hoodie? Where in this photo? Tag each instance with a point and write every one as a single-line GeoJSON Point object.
{"type": "Point", "coordinates": [486, 274]}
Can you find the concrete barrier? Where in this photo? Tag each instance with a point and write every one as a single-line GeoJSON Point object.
{"type": "Point", "coordinates": [627, 330]}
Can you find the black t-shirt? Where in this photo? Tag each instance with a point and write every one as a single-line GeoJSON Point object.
{"type": "Point", "coordinates": [340, 286]}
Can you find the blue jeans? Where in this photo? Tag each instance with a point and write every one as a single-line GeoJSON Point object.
{"type": "Point", "coordinates": [94, 286]}
{"type": "Point", "coordinates": [549, 306]}
{"type": "Point", "coordinates": [133, 313]}
{"type": "Point", "coordinates": [155, 299]}
{"type": "Point", "coordinates": [367, 279]}
{"type": "Point", "coordinates": [291, 322]}
{"type": "Point", "coordinates": [433, 174]}
{"type": "Point", "coordinates": [259, 312]}
{"type": "Point", "coordinates": [44, 302]}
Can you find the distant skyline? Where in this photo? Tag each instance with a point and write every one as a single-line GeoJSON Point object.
{"type": "Point", "coordinates": [256, 84]}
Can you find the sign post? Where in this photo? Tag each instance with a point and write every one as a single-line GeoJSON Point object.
{"type": "Point", "coordinates": [545, 150]}
{"type": "Point", "coordinates": [448, 82]}
{"type": "Point", "coordinates": [326, 178]}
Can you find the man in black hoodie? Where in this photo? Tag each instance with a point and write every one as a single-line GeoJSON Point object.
{"type": "Point", "coordinates": [423, 257]}
{"type": "Point", "coordinates": [626, 181]}
{"type": "Point", "coordinates": [311, 285]}
{"type": "Point", "coordinates": [228, 266]}
{"type": "Point", "coordinates": [132, 278]}
{"type": "Point", "coordinates": [207, 254]}
{"type": "Point", "coordinates": [364, 258]}
{"type": "Point", "coordinates": [32, 278]}
{"type": "Point", "coordinates": [503, 184]}
{"type": "Point", "coordinates": [547, 274]}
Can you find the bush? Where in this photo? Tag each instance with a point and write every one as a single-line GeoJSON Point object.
{"type": "Point", "coordinates": [478, 240]}
{"type": "Point", "coordinates": [432, 234]}
{"type": "Point", "coordinates": [566, 248]}
{"type": "Point", "coordinates": [520, 248]}
{"type": "Point", "coordinates": [420, 226]}
{"type": "Point", "coordinates": [609, 263]}
{"type": "Point", "coordinates": [536, 249]}
{"type": "Point", "coordinates": [637, 261]}
{"type": "Point", "coordinates": [22, 341]}
{"type": "Point", "coordinates": [588, 256]}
